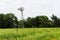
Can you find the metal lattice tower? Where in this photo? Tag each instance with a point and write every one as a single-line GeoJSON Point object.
{"type": "Point", "coordinates": [22, 17]}
{"type": "Point", "coordinates": [21, 9]}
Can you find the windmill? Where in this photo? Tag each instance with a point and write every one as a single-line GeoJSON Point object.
{"type": "Point", "coordinates": [22, 17]}
{"type": "Point", "coordinates": [21, 9]}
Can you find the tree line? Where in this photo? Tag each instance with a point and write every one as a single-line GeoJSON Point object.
{"type": "Point", "coordinates": [9, 20]}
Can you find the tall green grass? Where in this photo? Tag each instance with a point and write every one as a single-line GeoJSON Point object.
{"type": "Point", "coordinates": [30, 34]}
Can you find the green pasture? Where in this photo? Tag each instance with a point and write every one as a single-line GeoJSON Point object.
{"type": "Point", "coordinates": [30, 34]}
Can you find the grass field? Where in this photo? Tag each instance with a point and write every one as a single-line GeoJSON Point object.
{"type": "Point", "coordinates": [30, 34]}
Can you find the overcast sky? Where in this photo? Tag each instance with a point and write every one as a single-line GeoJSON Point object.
{"type": "Point", "coordinates": [32, 8]}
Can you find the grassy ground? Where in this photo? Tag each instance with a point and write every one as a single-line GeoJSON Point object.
{"type": "Point", "coordinates": [30, 34]}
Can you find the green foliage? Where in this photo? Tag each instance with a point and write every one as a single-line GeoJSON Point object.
{"type": "Point", "coordinates": [38, 21]}
{"type": "Point", "coordinates": [43, 21]}
{"type": "Point", "coordinates": [21, 24]}
{"type": "Point", "coordinates": [56, 21]}
{"type": "Point", "coordinates": [2, 20]}
{"type": "Point", "coordinates": [29, 22]}
{"type": "Point", "coordinates": [11, 20]}
{"type": "Point", "coordinates": [8, 20]}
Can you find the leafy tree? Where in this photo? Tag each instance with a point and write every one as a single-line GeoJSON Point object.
{"type": "Point", "coordinates": [21, 24]}
{"type": "Point", "coordinates": [11, 20]}
{"type": "Point", "coordinates": [29, 22]}
{"type": "Point", "coordinates": [56, 21]}
{"type": "Point", "coordinates": [42, 21]}
{"type": "Point", "coordinates": [2, 20]}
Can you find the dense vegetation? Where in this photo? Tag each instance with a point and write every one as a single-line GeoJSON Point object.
{"type": "Point", "coordinates": [9, 20]}
{"type": "Point", "coordinates": [30, 34]}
